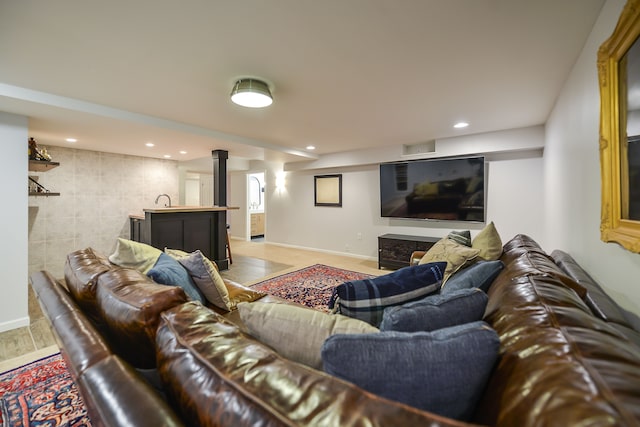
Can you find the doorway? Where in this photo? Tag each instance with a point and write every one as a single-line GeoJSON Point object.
{"type": "Point", "coordinates": [256, 206]}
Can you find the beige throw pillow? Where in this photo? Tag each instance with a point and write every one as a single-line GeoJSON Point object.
{"type": "Point", "coordinates": [488, 242]}
{"type": "Point", "coordinates": [176, 253]}
{"type": "Point", "coordinates": [139, 256]}
{"type": "Point", "coordinates": [456, 255]}
{"type": "Point", "coordinates": [205, 275]}
{"type": "Point", "coordinates": [297, 332]}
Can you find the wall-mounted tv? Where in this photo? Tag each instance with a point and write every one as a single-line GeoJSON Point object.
{"type": "Point", "coordinates": [446, 189]}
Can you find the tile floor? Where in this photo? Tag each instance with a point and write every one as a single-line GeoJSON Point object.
{"type": "Point", "coordinates": [253, 262]}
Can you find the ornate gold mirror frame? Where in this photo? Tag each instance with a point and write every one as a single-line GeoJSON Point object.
{"type": "Point", "coordinates": [616, 225]}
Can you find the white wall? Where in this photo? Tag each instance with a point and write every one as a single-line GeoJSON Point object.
{"type": "Point", "coordinates": [515, 205]}
{"type": "Point", "coordinates": [237, 196]}
{"type": "Point", "coordinates": [13, 252]}
{"type": "Point", "coordinates": [572, 174]}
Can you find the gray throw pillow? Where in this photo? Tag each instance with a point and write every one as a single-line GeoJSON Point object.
{"type": "Point", "coordinates": [436, 311]}
{"type": "Point", "coordinates": [443, 371]}
{"type": "Point", "coordinates": [167, 271]}
{"type": "Point", "coordinates": [479, 275]}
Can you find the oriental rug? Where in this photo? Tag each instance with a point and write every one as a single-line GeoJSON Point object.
{"type": "Point", "coordinates": [310, 286]}
{"type": "Point", "coordinates": [41, 393]}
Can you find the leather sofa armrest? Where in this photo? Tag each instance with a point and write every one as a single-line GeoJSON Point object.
{"type": "Point", "coordinates": [416, 256]}
{"type": "Point", "coordinates": [115, 395]}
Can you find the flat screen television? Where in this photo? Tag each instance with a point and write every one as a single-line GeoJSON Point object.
{"type": "Point", "coordinates": [445, 189]}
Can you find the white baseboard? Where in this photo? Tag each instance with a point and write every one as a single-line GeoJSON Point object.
{"type": "Point", "coordinates": [326, 251]}
{"type": "Point", "coordinates": [14, 324]}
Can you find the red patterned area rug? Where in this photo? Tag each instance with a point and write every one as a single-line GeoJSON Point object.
{"type": "Point", "coordinates": [41, 393]}
{"type": "Point", "coordinates": [310, 286]}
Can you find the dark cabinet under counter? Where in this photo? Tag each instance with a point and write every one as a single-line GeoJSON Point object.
{"type": "Point", "coordinates": [136, 226]}
{"type": "Point", "coordinates": [394, 250]}
{"type": "Point", "coordinates": [187, 229]}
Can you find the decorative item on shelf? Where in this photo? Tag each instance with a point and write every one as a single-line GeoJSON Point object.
{"type": "Point", "coordinates": [36, 153]}
{"type": "Point", "coordinates": [36, 187]}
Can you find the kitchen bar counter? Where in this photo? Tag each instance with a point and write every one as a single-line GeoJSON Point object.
{"type": "Point", "coordinates": [191, 209]}
{"type": "Point", "coordinates": [187, 228]}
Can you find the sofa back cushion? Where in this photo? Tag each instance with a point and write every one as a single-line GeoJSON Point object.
{"type": "Point", "coordinates": [216, 375]}
{"type": "Point", "coordinates": [601, 304]}
{"type": "Point", "coordinates": [82, 345]}
{"type": "Point", "coordinates": [518, 245]}
{"type": "Point", "coordinates": [81, 271]}
{"type": "Point", "coordinates": [130, 304]}
{"type": "Point", "coordinates": [560, 365]}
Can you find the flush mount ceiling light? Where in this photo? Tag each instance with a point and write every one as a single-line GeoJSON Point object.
{"type": "Point", "coordinates": [251, 93]}
{"type": "Point", "coordinates": [461, 125]}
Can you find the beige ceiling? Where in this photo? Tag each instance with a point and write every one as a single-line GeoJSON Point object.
{"type": "Point", "coordinates": [345, 74]}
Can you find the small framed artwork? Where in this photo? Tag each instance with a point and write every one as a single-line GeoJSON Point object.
{"type": "Point", "coordinates": [328, 190]}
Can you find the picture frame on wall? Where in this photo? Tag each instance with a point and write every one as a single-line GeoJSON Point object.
{"type": "Point", "coordinates": [328, 190]}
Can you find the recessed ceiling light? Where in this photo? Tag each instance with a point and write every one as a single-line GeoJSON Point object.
{"type": "Point", "coordinates": [311, 147]}
{"type": "Point", "coordinates": [183, 152]}
{"type": "Point", "coordinates": [167, 156]}
{"type": "Point", "coordinates": [71, 140]}
{"type": "Point", "coordinates": [150, 144]}
{"type": "Point", "coordinates": [461, 125]}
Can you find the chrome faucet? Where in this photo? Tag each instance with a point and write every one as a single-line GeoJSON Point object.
{"type": "Point", "coordinates": [167, 196]}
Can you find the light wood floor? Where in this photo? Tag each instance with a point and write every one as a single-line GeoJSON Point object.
{"type": "Point", "coordinates": [252, 263]}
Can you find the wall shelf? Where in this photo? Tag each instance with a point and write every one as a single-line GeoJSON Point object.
{"type": "Point", "coordinates": [31, 193]}
{"type": "Point", "coordinates": [42, 165]}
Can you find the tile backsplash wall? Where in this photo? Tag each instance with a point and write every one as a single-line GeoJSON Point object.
{"type": "Point", "coordinates": [98, 191]}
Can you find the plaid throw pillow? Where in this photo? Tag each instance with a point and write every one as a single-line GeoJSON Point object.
{"type": "Point", "coordinates": [461, 237]}
{"type": "Point", "coordinates": [366, 299]}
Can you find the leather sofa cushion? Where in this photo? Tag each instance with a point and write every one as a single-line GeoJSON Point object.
{"type": "Point", "coordinates": [519, 245]}
{"type": "Point", "coordinates": [81, 271]}
{"type": "Point", "coordinates": [80, 343]}
{"type": "Point", "coordinates": [112, 391]}
{"type": "Point", "coordinates": [219, 376]}
{"type": "Point", "coordinates": [598, 301]}
{"type": "Point", "coordinates": [116, 396]}
{"type": "Point", "coordinates": [560, 365]}
{"type": "Point", "coordinates": [130, 304]}
{"type": "Point", "coordinates": [537, 263]}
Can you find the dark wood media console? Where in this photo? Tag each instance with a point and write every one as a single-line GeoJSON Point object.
{"type": "Point", "coordinates": [394, 250]}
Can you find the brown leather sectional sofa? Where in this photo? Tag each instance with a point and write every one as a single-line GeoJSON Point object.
{"type": "Point", "coordinates": [142, 354]}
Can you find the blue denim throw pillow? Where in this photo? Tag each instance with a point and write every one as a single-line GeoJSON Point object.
{"type": "Point", "coordinates": [436, 311]}
{"type": "Point", "coordinates": [366, 299]}
{"type": "Point", "coordinates": [443, 371]}
{"type": "Point", "coordinates": [168, 271]}
{"type": "Point", "coordinates": [479, 275]}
